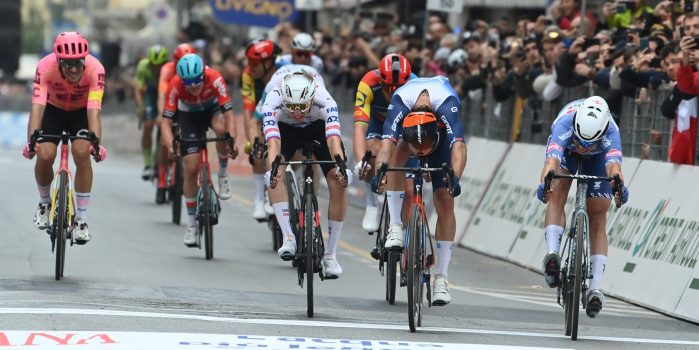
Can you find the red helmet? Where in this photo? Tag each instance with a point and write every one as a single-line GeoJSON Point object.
{"type": "Point", "coordinates": [70, 46]}
{"type": "Point", "coordinates": [394, 70]}
{"type": "Point", "coordinates": [262, 50]}
{"type": "Point", "coordinates": [183, 49]}
{"type": "Point", "coordinates": [421, 132]}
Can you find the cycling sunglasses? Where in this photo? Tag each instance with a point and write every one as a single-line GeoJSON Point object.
{"type": "Point", "coordinates": [585, 144]}
{"type": "Point", "coordinates": [302, 53]}
{"type": "Point", "coordinates": [193, 82]}
{"type": "Point", "coordinates": [75, 63]}
{"type": "Point", "coordinates": [301, 107]}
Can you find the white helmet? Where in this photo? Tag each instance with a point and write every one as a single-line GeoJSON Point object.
{"type": "Point", "coordinates": [298, 89]}
{"type": "Point", "coordinates": [457, 57]}
{"type": "Point", "coordinates": [303, 42]}
{"type": "Point", "coordinates": [591, 120]}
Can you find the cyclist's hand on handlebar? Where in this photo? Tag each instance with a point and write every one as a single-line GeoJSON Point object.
{"type": "Point", "coordinates": [543, 197]}
{"type": "Point", "coordinates": [100, 154]}
{"type": "Point", "coordinates": [455, 186]}
{"type": "Point", "coordinates": [171, 153]}
{"type": "Point", "coordinates": [27, 152]}
{"type": "Point", "coordinates": [270, 181]}
{"type": "Point", "coordinates": [344, 180]}
{"type": "Point", "coordinates": [361, 169]}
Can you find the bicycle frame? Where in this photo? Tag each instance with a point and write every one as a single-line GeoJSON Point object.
{"type": "Point", "coordinates": [63, 167]}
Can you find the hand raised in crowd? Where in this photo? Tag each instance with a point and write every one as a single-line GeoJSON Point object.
{"type": "Point", "coordinates": [642, 60]}
{"type": "Point", "coordinates": [688, 46]}
{"type": "Point", "coordinates": [663, 8]}
{"type": "Point", "coordinates": [576, 47]}
{"type": "Point", "coordinates": [609, 9]}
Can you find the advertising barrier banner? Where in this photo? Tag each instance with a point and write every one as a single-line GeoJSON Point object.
{"type": "Point", "coordinates": [263, 13]}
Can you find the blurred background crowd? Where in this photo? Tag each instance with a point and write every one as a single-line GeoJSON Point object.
{"type": "Point", "coordinates": [514, 69]}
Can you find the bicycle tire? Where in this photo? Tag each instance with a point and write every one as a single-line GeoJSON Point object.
{"type": "Point", "coordinates": [294, 198]}
{"type": "Point", "coordinates": [565, 285]}
{"type": "Point", "coordinates": [309, 222]}
{"type": "Point", "coordinates": [578, 276]}
{"type": "Point", "coordinates": [206, 214]}
{"type": "Point", "coordinates": [393, 260]}
{"type": "Point", "coordinates": [414, 268]}
{"type": "Point", "coordinates": [177, 192]}
{"type": "Point", "coordinates": [61, 219]}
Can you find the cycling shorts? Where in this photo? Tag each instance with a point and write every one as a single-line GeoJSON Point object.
{"type": "Point", "coordinates": [293, 138]}
{"type": "Point", "coordinates": [591, 165]}
{"type": "Point", "coordinates": [195, 125]}
{"type": "Point", "coordinates": [56, 120]}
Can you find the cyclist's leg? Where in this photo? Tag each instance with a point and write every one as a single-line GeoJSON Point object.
{"type": "Point", "coordinates": [554, 220]}
{"type": "Point", "coordinates": [147, 137]}
{"type": "Point", "coordinates": [289, 137]}
{"type": "Point", "coordinates": [374, 130]}
{"type": "Point", "coordinates": [190, 128]}
{"type": "Point", "coordinates": [218, 125]}
{"type": "Point", "coordinates": [258, 172]}
{"type": "Point", "coordinates": [52, 123]}
{"type": "Point", "coordinates": [80, 150]}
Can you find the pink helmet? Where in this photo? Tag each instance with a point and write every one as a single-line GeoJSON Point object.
{"type": "Point", "coordinates": [70, 45]}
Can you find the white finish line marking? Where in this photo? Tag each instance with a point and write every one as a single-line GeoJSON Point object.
{"type": "Point", "coordinates": [302, 323]}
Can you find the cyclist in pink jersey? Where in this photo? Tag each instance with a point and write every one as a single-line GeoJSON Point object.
{"type": "Point", "coordinates": [67, 96]}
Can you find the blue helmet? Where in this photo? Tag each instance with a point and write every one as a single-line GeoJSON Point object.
{"type": "Point", "coordinates": [190, 67]}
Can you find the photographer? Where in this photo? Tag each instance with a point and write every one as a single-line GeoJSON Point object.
{"type": "Point", "coordinates": [687, 79]}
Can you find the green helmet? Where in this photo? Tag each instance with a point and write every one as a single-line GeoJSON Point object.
{"type": "Point", "coordinates": [157, 54]}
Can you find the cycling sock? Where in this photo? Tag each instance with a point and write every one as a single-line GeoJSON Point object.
{"type": "Point", "coordinates": [372, 199]}
{"type": "Point", "coordinates": [395, 206]}
{"type": "Point", "coordinates": [334, 233]}
{"type": "Point", "coordinates": [147, 157]}
{"type": "Point", "coordinates": [597, 264]}
{"type": "Point", "coordinates": [443, 257]}
{"type": "Point", "coordinates": [191, 204]}
{"type": "Point", "coordinates": [44, 193]}
{"type": "Point", "coordinates": [162, 173]}
{"type": "Point", "coordinates": [222, 166]}
{"type": "Point", "coordinates": [259, 182]}
{"type": "Point", "coordinates": [281, 211]}
{"type": "Point", "coordinates": [553, 235]}
{"type": "Point", "coordinates": [83, 201]}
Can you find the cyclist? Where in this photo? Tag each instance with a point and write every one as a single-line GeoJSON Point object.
{"type": "Point", "coordinates": [199, 96]}
{"type": "Point", "coordinates": [432, 128]}
{"type": "Point", "coordinates": [261, 66]}
{"type": "Point", "coordinates": [167, 72]}
{"type": "Point", "coordinates": [584, 134]}
{"type": "Point", "coordinates": [146, 96]}
{"type": "Point", "coordinates": [302, 48]}
{"type": "Point", "coordinates": [370, 108]}
{"type": "Point", "coordinates": [297, 110]}
{"type": "Point", "coordinates": [67, 96]}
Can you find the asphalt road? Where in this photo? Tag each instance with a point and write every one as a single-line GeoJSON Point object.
{"type": "Point", "coordinates": [137, 276]}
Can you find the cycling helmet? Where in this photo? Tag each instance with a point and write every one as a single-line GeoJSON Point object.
{"type": "Point", "coordinates": [262, 50]}
{"type": "Point", "coordinates": [183, 49]}
{"type": "Point", "coordinates": [298, 89]}
{"type": "Point", "coordinates": [190, 68]}
{"type": "Point", "coordinates": [457, 57]}
{"type": "Point", "coordinates": [157, 55]}
{"type": "Point", "coordinates": [591, 120]}
{"type": "Point", "coordinates": [394, 70]}
{"type": "Point", "coordinates": [70, 46]}
{"type": "Point", "coordinates": [421, 132]}
{"type": "Point", "coordinates": [303, 42]}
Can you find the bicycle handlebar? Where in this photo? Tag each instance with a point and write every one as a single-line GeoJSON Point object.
{"type": "Point", "coordinates": [278, 161]}
{"type": "Point", "coordinates": [616, 178]}
{"type": "Point", "coordinates": [94, 140]}
{"type": "Point", "coordinates": [418, 171]}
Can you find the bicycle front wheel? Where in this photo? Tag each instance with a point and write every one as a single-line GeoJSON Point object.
{"type": "Point", "coordinates": [393, 261]}
{"type": "Point", "coordinates": [310, 227]}
{"type": "Point", "coordinates": [61, 219]}
{"type": "Point", "coordinates": [177, 192]}
{"type": "Point", "coordinates": [414, 267]}
{"type": "Point", "coordinates": [208, 230]}
{"type": "Point", "coordinates": [580, 227]}
{"type": "Point", "coordinates": [292, 191]}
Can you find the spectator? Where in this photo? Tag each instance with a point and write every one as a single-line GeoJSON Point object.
{"type": "Point", "coordinates": [623, 14]}
{"type": "Point", "coordinates": [570, 9]}
{"type": "Point", "coordinates": [682, 108]}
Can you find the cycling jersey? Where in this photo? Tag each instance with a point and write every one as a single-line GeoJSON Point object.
{"type": "Point", "coordinates": [372, 99]}
{"type": "Point", "coordinates": [50, 86]}
{"type": "Point", "coordinates": [445, 103]}
{"type": "Point", "coordinates": [252, 89]}
{"type": "Point", "coordinates": [561, 139]}
{"type": "Point", "coordinates": [214, 92]}
{"type": "Point", "coordinates": [316, 62]}
{"type": "Point", "coordinates": [323, 108]}
{"type": "Point", "coordinates": [145, 77]}
{"type": "Point", "coordinates": [277, 78]}
{"type": "Point", "coordinates": [168, 71]}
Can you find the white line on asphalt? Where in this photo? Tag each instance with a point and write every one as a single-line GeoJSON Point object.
{"type": "Point", "coordinates": [309, 323]}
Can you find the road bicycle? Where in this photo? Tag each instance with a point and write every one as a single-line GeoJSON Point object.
{"type": "Point", "coordinates": [62, 214]}
{"type": "Point", "coordinates": [208, 204]}
{"type": "Point", "coordinates": [305, 219]}
{"type": "Point", "coordinates": [418, 254]}
{"type": "Point", "coordinates": [575, 257]}
{"type": "Point", "coordinates": [175, 183]}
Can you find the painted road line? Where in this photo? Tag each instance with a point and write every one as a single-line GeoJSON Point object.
{"type": "Point", "coordinates": [146, 340]}
{"type": "Point", "coordinates": [326, 324]}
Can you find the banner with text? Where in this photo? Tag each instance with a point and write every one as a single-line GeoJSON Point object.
{"type": "Point", "coordinates": [263, 13]}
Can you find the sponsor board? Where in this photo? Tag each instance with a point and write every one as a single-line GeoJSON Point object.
{"type": "Point", "coordinates": [13, 129]}
{"type": "Point", "coordinates": [688, 307]}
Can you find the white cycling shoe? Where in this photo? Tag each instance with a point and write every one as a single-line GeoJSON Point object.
{"type": "Point", "coordinates": [331, 266]}
{"type": "Point", "coordinates": [224, 187]}
{"type": "Point", "coordinates": [41, 217]}
{"type": "Point", "coordinates": [80, 232]}
{"type": "Point", "coordinates": [288, 249]}
{"type": "Point", "coordinates": [595, 302]}
{"type": "Point", "coordinates": [440, 291]}
{"type": "Point", "coordinates": [190, 237]}
{"type": "Point", "coordinates": [370, 223]}
{"type": "Point", "coordinates": [258, 211]}
{"type": "Point", "coordinates": [395, 237]}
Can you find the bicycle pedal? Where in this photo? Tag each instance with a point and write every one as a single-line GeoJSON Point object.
{"type": "Point", "coordinates": [289, 257]}
{"type": "Point", "coordinates": [375, 254]}
{"type": "Point", "coordinates": [331, 277]}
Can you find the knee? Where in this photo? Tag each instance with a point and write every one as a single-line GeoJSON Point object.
{"type": "Point", "coordinates": [81, 155]}
{"type": "Point", "coordinates": [443, 201]}
{"type": "Point", "coordinates": [45, 154]}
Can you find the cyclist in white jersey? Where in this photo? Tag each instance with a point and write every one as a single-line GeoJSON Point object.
{"type": "Point", "coordinates": [302, 48]}
{"type": "Point", "coordinates": [295, 111]}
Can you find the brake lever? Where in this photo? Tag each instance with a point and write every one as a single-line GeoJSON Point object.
{"type": "Point", "coordinates": [547, 183]}
{"type": "Point", "coordinates": [449, 172]}
{"type": "Point", "coordinates": [342, 166]}
{"type": "Point", "coordinates": [618, 187]}
{"type": "Point", "coordinates": [275, 166]}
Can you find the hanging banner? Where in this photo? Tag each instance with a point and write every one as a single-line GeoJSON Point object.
{"type": "Point", "coordinates": [264, 13]}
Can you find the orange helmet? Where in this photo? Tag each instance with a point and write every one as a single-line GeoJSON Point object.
{"type": "Point", "coordinates": [421, 132]}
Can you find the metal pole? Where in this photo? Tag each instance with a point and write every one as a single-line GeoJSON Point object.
{"type": "Point", "coordinates": [309, 23]}
{"type": "Point", "coordinates": [581, 29]}
{"type": "Point", "coordinates": [179, 14]}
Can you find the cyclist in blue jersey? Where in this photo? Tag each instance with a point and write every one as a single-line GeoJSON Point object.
{"type": "Point", "coordinates": [583, 134]}
{"type": "Point", "coordinates": [441, 139]}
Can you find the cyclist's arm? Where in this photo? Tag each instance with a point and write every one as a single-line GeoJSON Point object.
{"type": "Point", "coordinates": [359, 140]}
{"type": "Point", "coordinates": [551, 163]}
{"type": "Point", "coordinates": [163, 82]}
{"type": "Point", "coordinates": [613, 155]}
{"type": "Point", "coordinates": [613, 169]}
{"type": "Point", "coordinates": [248, 92]}
{"type": "Point", "coordinates": [39, 98]}
{"type": "Point", "coordinates": [224, 101]}
{"type": "Point", "coordinates": [169, 111]}
{"type": "Point", "coordinates": [458, 158]}
{"type": "Point", "coordinates": [36, 116]}
{"type": "Point", "coordinates": [94, 121]}
{"type": "Point", "coordinates": [94, 100]}
{"type": "Point", "coordinates": [385, 152]}
{"type": "Point", "coordinates": [362, 113]}
{"type": "Point", "coordinates": [271, 128]}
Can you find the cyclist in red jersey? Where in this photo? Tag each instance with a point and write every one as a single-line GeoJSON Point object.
{"type": "Point", "coordinates": [67, 96]}
{"type": "Point", "coordinates": [199, 96]}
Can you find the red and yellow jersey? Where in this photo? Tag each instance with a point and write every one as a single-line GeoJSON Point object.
{"type": "Point", "coordinates": [214, 91]}
{"type": "Point", "coordinates": [51, 87]}
{"type": "Point", "coordinates": [372, 98]}
{"type": "Point", "coordinates": [252, 90]}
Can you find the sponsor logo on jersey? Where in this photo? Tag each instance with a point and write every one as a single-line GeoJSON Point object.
{"type": "Point", "coordinates": [37, 77]}
{"type": "Point", "coordinates": [332, 119]}
{"type": "Point", "coordinates": [566, 135]}
{"type": "Point", "coordinates": [396, 120]}
{"type": "Point", "coordinates": [614, 153]}
{"type": "Point", "coordinates": [361, 100]}
{"type": "Point", "coordinates": [554, 147]}
{"type": "Point", "coordinates": [331, 110]}
{"type": "Point", "coordinates": [446, 123]}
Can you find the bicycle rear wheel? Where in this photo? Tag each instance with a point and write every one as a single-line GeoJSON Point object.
{"type": "Point", "coordinates": [177, 192]}
{"type": "Point", "coordinates": [414, 267]}
{"type": "Point", "coordinates": [393, 261]}
{"type": "Point", "coordinates": [309, 222]}
{"type": "Point", "coordinates": [61, 219]}
{"type": "Point", "coordinates": [208, 230]}
{"type": "Point", "coordinates": [577, 276]}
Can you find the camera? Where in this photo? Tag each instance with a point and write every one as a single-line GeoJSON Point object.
{"type": "Point", "coordinates": [589, 42]}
